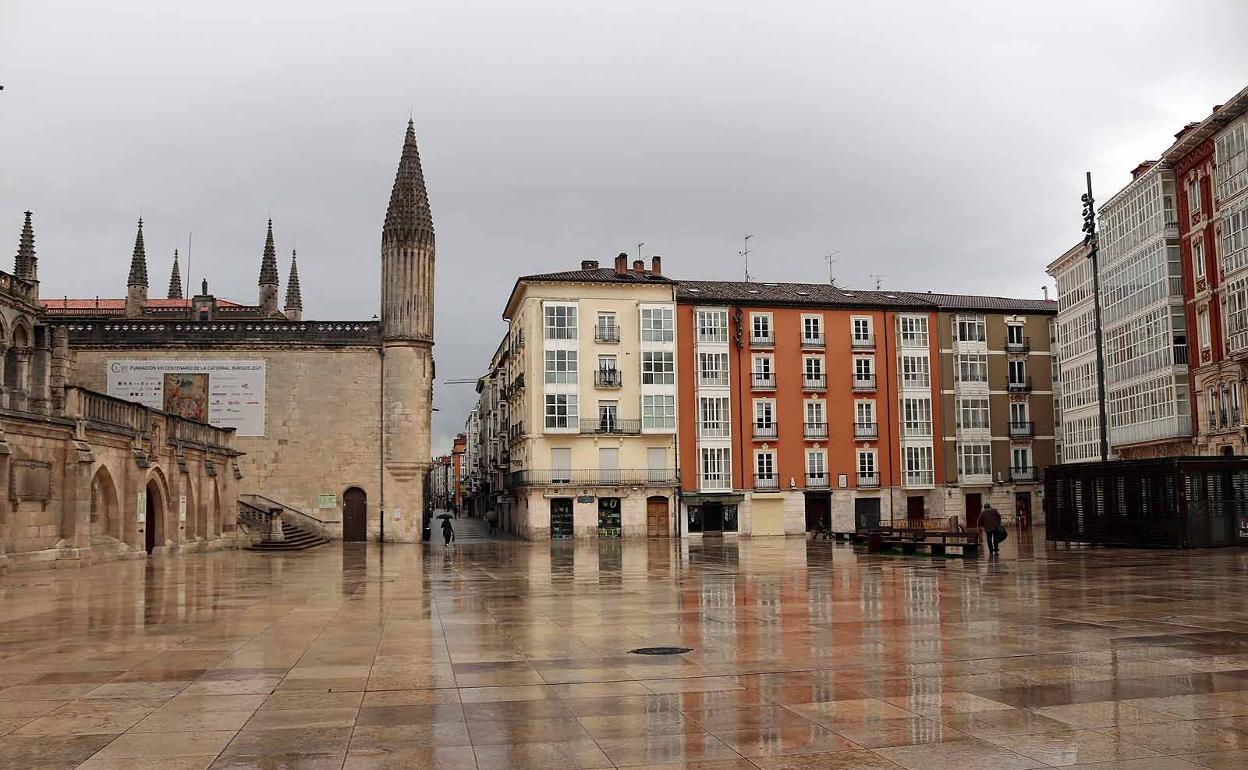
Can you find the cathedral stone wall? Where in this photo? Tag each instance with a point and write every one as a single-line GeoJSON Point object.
{"type": "Point", "coordinates": [322, 423]}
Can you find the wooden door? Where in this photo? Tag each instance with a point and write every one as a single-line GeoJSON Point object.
{"type": "Point", "coordinates": [657, 517]}
{"type": "Point", "coordinates": [354, 516]}
{"type": "Point", "coordinates": [974, 504]}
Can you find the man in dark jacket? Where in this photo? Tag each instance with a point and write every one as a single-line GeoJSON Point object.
{"type": "Point", "coordinates": [990, 522]}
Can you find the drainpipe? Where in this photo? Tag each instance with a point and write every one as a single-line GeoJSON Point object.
{"type": "Point", "coordinates": [381, 444]}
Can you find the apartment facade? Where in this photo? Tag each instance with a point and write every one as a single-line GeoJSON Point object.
{"type": "Point", "coordinates": [591, 402]}
{"type": "Point", "coordinates": [1075, 353]}
{"type": "Point", "coordinates": [805, 405]}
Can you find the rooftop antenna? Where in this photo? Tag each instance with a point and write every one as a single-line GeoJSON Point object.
{"type": "Point", "coordinates": [879, 278]}
{"type": "Point", "coordinates": [745, 254]}
{"type": "Point", "coordinates": [829, 259]}
{"type": "Point", "coordinates": [189, 236]}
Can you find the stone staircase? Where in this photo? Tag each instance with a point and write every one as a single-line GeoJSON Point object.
{"type": "Point", "coordinates": [255, 517]}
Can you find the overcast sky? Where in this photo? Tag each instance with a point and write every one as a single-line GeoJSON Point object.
{"type": "Point", "coordinates": [941, 144]}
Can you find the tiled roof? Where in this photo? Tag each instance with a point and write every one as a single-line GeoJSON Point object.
{"type": "Point", "coordinates": [599, 274]}
{"type": "Point", "coordinates": [825, 295]}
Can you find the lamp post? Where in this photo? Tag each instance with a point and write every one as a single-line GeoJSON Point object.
{"type": "Point", "coordinates": [1090, 240]}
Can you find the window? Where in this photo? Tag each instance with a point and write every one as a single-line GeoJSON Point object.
{"type": "Point", "coordinates": [913, 331]}
{"type": "Point", "coordinates": [561, 366]}
{"type": "Point", "coordinates": [1235, 239]}
{"type": "Point", "coordinates": [812, 329]}
{"type": "Point", "coordinates": [762, 365]}
{"type": "Point", "coordinates": [658, 368]}
{"type": "Point", "coordinates": [973, 368]}
{"type": "Point", "coordinates": [561, 410]}
{"type": "Point", "coordinates": [605, 328]}
{"type": "Point", "coordinates": [560, 321]}
{"type": "Point", "coordinates": [1193, 196]}
{"type": "Point", "coordinates": [1014, 335]}
{"type": "Point", "coordinates": [916, 372]}
{"type": "Point", "coordinates": [916, 416]}
{"type": "Point", "coordinates": [656, 462]}
{"type": "Point", "coordinates": [560, 464]}
{"type": "Point", "coordinates": [657, 324]}
{"type": "Point", "coordinates": [814, 413]}
{"type": "Point", "coordinates": [1202, 327]}
{"type": "Point", "coordinates": [609, 463]}
{"type": "Point", "coordinates": [866, 463]}
{"type": "Point", "coordinates": [606, 364]}
{"type": "Point", "coordinates": [765, 465]}
{"type": "Point", "coordinates": [860, 329]}
{"type": "Point", "coordinates": [1198, 257]}
{"type": "Point", "coordinates": [969, 328]}
{"type": "Point", "coordinates": [715, 468]}
{"type": "Point", "coordinates": [712, 325]}
{"type": "Point", "coordinates": [864, 367]}
{"type": "Point", "coordinates": [918, 466]}
{"type": "Point", "coordinates": [764, 413]}
{"type": "Point", "coordinates": [658, 412]}
{"type": "Point", "coordinates": [1231, 153]}
{"type": "Point", "coordinates": [713, 369]}
{"type": "Point", "coordinates": [1018, 412]}
{"type": "Point", "coordinates": [864, 412]}
{"type": "Point", "coordinates": [760, 327]}
{"type": "Point", "coordinates": [713, 417]}
{"type": "Point", "coordinates": [1021, 458]}
{"type": "Point", "coordinates": [973, 413]}
{"type": "Point", "coordinates": [816, 465]}
{"type": "Point", "coordinates": [608, 416]}
{"type": "Point", "coordinates": [812, 368]}
{"type": "Point", "coordinates": [1018, 372]}
{"type": "Point", "coordinates": [974, 459]}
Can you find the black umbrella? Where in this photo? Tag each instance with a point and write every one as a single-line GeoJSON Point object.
{"type": "Point", "coordinates": [444, 516]}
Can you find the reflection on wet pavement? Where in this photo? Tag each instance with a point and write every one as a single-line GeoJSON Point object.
{"type": "Point", "coordinates": [505, 654]}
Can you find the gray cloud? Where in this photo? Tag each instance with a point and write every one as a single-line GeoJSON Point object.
{"type": "Point", "coordinates": [939, 143]}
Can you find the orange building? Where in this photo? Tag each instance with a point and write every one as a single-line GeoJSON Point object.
{"type": "Point", "coordinates": [803, 405]}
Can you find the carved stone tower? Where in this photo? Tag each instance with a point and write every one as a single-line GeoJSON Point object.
{"type": "Point", "coordinates": [136, 285]}
{"type": "Point", "coordinates": [175, 279]}
{"type": "Point", "coordinates": [268, 276]}
{"type": "Point", "coordinates": [26, 266]}
{"type": "Point", "coordinates": [407, 257]}
{"type": "Point", "coordinates": [294, 297]}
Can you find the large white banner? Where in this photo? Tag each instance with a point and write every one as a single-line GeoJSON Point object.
{"type": "Point", "coordinates": [228, 394]}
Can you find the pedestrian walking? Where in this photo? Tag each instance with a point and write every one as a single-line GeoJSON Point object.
{"type": "Point", "coordinates": [448, 532]}
{"type": "Point", "coordinates": [491, 518]}
{"type": "Point", "coordinates": [990, 523]}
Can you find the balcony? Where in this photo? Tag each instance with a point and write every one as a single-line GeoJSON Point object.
{"type": "Point", "coordinates": [592, 476]}
{"type": "Point", "coordinates": [610, 425]}
{"type": "Point", "coordinates": [1017, 386]}
{"type": "Point", "coordinates": [516, 431]}
{"type": "Point", "coordinates": [815, 430]}
{"type": "Point", "coordinates": [1018, 346]}
{"type": "Point", "coordinates": [816, 481]}
{"type": "Point", "coordinates": [764, 381]}
{"type": "Point", "coordinates": [607, 378]}
{"type": "Point", "coordinates": [607, 335]}
{"type": "Point", "coordinates": [814, 382]}
{"type": "Point", "coordinates": [763, 340]}
{"type": "Point", "coordinates": [1022, 429]}
{"type": "Point", "coordinates": [766, 483]}
{"type": "Point", "coordinates": [866, 430]}
{"type": "Point", "coordinates": [1030, 473]}
{"type": "Point", "coordinates": [813, 342]}
{"type": "Point", "coordinates": [1180, 355]}
{"type": "Point", "coordinates": [864, 382]}
{"type": "Point", "coordinates": [862, 342]}
{"type": "Point", "coordinates": [868, 480]}
{"type": "Point", "coordinates": [918, 479]}
{"type": "Point", "coordinates": [765, 430]}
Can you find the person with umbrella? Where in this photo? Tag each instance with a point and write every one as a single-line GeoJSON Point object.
{"type": "Point", "coordinates": [448, 531]}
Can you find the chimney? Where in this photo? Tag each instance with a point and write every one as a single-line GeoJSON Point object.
{"type": "Point", "coordinates": [621, 264]}
{"type": "Point", "coordinates": [1045, 289]}
{"type": "Point", "coordinates": [656, 265]}
{"type": "Point", "coordinates": [589, 264]}
{"type": "Point", "coordinates": [1141, 169]}
{"type": "Point", "coordinates": [639, 266]}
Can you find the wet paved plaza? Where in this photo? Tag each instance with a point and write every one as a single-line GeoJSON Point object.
{"type": "Point", "coordinates": [498, 655]}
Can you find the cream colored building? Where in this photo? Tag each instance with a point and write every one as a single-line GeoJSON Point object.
{"type": "Point", "coordinates": [591, 400]}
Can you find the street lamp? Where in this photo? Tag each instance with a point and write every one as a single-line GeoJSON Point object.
{"type": "Point", "coordinates": [1090, 240]}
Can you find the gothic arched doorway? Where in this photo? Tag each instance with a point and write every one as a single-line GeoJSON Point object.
{"type": "Point", "coordinates": [105, 519]}
{"type": "Point", "coordinates": [354, 515]}
{"type": "Point", "coordinates": [154, 520]}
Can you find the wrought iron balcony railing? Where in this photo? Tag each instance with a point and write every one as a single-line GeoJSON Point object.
{"type": "Point", "coordinates": [866, 430]}
{"type": "Point", "coordinates": [612, 425]}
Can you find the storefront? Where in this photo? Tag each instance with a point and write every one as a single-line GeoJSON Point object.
{"type": "Point", "coordinates": [711, 514]}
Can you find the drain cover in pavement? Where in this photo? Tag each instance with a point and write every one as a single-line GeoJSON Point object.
{"type": "Point", "coordinates": [660, 650]}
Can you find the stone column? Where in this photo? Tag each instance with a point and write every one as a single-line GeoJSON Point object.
{"type": "Point", "coordinates": [18, 398]}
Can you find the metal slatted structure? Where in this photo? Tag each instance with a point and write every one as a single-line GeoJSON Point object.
{"type": "Point", "coordinates": [1175, 502]}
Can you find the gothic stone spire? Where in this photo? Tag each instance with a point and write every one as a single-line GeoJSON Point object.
{"type": "Point", "coordinates": [26, 265]}
{"type": "Point", "coordinates": [294, 298]}
{"type": "Point", "coordinates": [138, 261]}
{"type": "Point", "coordinates": [175, 279]}
{"type": "Point", "coordinates": [268, 265]}
{"type": "Point", "coordinates": [408, 216]}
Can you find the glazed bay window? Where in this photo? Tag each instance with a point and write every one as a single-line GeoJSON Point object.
{"type": "Point", "coordinates": [561, 411]}
{"type": "Point", "coordinates": [713, 417]}
{"type": "Point", "coordinates": [658, 412]}
{"type": "Point", "coordinates": [912, 331]}
{"type": "Point", "coordinates": [715, 468]}
{"type": "Point", "coordinates": [916, 372]}
{"type": "Point", "coordinates": [1235, 239]}
{"type": "Point", "coordinates": [712, 325]}
{"type": "Point", "coordinates": [975, 460]}
{"type": "Point", "coordinates": [972, 368]}
{"type": "Point", "coordinates": [972, 413]}
{"type": "Point", "coordinates": [658, 367]}
{"type": "Point", "coordinates": [916, 415]}
{"type": "Point", "coordinates": [917, 466]}
{"type": "Point", "coordinates": [1231, 153]}
{"type": "Point", "coordinates": [760, 329]}
{"type": "Point", "coordinates": [969, 328]}
{"type": "Point", "coordinates": [561, 367]}
{"type": "Point", "coordinates": [657, 324]}
{"type": "Point", "coordinates": [560, 321]}
{"type": "Point", "coordinates": [713, 369]}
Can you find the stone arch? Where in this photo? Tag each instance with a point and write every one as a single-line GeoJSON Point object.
{"type": "Point", "coordinates": [106, 519]}
{"type": "Point", "coordinates": [16, 364]}
{"type": "Point", "coordinates": [214, 511]}
{"type": "Point", "coordinates": [156, 524]}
